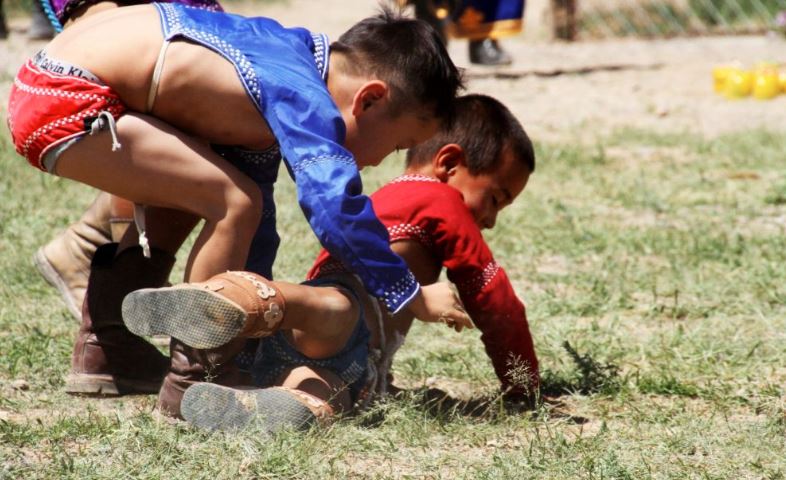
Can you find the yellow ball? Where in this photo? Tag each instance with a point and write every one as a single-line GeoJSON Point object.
{"type": "Point", "coordinates": [739, 84]}
{"type": "Point", "coordinates": [719, 76]}
{"type": "Point", "coordinates": [766, 85]}
{"type": "Point", "coordinates": [782, 80]}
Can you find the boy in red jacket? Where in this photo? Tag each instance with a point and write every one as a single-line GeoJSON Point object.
{"type": "Point", "coordinates": [454, 186]}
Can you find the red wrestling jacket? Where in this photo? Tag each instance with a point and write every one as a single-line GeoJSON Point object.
{"type": "Point", "coordinates": [425, 210]}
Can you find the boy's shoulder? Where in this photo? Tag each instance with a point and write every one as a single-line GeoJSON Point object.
{"type": "Point", "coordinates": [421, 200]}
{"type": "Point", "coordinates": [415, 188]}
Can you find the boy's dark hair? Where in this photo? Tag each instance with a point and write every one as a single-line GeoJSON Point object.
{"type": "Point", "coordinates": [408, 55]}
{"type": "Point", "coordinates": [483, 127]}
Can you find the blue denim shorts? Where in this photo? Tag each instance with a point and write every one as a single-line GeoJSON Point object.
{"type": "Point", "coordinates": [275, 354]}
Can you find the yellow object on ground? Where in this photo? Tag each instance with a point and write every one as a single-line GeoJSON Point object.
{"type": "Point", "coordinates": [719, 75]}
{"type": "Point", "coordinates": [739, 84]}
{"type": "Point", "coordinates": [765, 84]}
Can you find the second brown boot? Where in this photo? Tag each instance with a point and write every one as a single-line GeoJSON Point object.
{"type": "Point", "coordinates": [107, 358]}
{"type": "Point", "coordinates": [213, 407]}
{"type": "Point", "coordinates": [190, 366]}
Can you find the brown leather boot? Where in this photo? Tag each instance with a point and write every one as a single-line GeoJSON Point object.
{"type": "Point", "coordinates": [213, 407]}
{"type": "Point", "coordinates": [208, 314]}
{"type": "Point", "coordinates": [107, 358]}
{"type": "Point", "coordinates": [190, 366]}
{"type": "Point", "coordinates": [65, 261]}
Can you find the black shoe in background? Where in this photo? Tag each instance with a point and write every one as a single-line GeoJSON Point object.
{"type": "Point", "coordinates": [488, 52]}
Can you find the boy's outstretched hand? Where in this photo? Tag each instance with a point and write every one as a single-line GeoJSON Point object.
{"type": "Point", "coordinates": [439, 303]}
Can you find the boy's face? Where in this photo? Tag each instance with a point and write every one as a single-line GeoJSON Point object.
{"type": "Point", "coordinates": [373, 131]}
{"type": "Point", "coordinates": [488, 193]}
{"type": "Point", "coordinates": [378, 133]}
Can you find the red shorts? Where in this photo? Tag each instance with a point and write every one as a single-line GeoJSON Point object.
{"type": "Point", "coordinates": [46, 109]}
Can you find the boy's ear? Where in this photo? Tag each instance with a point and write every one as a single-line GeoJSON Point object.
{"type": "Point", "coordinates": [368, 95]}
{"type": "Point", "coordinates": [447, 160]}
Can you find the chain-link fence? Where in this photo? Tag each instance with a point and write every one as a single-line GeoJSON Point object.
{"type": "Point", "coordinates": [663, 18]}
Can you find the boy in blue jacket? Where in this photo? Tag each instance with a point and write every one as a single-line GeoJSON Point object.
{"type": "Point", "coordinates": [256, 92]}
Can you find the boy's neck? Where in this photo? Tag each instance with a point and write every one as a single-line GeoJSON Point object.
{"type": "Point", "coordinates": [425, 170]}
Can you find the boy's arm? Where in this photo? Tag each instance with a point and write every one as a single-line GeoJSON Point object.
{"type": "Point", "coordinates": [501, 317]}
{"type": "Point", "coordinates": [487, 294]}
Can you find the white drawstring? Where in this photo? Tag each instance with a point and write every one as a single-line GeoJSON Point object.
{"type": "Point", "coordinates": [139, 221]}
{"type": "Point", "coordinates": [98, 125]}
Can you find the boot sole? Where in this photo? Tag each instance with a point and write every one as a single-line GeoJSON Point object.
{"type": "Point", "coordinates": [197, 317]}
{"type": "Point", "coordinates": [51, 275]}
{"type": "Point", "coordinates": [217, 408]}
{"type": "Point", "coordinates": [104, 385]}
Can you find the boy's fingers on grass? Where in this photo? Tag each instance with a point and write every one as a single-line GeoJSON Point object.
{"type": "Point", "coordinates": [465, 321]}
{"type": "Point", "coordinates": [457, 319]}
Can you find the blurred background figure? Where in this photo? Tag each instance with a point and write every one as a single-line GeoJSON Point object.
{"type": "Point", "coordinates": [482, 22]}
{"type": "Point", "coordinates": [40, 28]}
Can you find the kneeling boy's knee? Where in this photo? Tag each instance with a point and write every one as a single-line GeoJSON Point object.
{"type": "Point", "coordinates": [340, 311]}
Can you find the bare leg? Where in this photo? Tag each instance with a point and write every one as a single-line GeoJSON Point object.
{"type": "Point", "coordinates": [318, 320]}
{"type": "Point", "coordinates": [320, 383]}
{"type": "Point", "coordinates": [161, 166]}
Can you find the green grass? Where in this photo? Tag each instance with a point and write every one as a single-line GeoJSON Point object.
{"type": "Point", "coordinates": [657, 258]}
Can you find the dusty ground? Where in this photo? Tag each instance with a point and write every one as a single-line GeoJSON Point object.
{"type": "Point", "coordinates": [664, 85]}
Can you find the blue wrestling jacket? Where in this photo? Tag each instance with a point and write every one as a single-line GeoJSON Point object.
{"type": "Point", "coordinates": [283, 71]}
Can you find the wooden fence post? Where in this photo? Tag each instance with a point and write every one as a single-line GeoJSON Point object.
{"type": "Point", "coordinates": [564, 12]}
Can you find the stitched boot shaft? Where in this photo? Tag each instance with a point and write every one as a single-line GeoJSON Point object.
{"type": "Point", "coordinates": [190, 366]}
{"type": "Point", "coordinates": [208, 314]}
{"type": "Point", "coordinates": [262, 302]}
{"type": "Point", "coordinates": [107, 358]}
{"type": "Point", "coordinates": [65, 261]}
